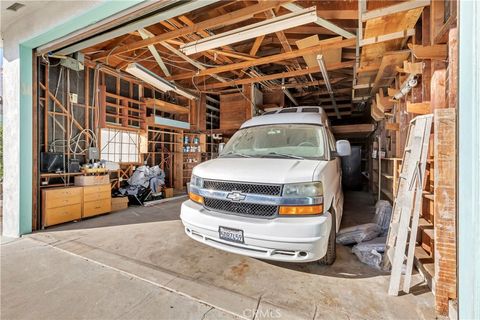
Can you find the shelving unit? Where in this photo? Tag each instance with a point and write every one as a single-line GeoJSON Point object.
{"type": "Point", "coordinates": [194, 147]}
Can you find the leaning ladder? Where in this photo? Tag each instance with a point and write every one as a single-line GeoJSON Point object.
{"type": "Point", "coordinates": [406, 207]}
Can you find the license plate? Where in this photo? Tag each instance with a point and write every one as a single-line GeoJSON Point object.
{"type": "Point", "coordinates": [232, 235]}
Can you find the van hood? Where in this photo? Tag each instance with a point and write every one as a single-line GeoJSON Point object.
{"type": "Point", "coordinates": [262, 170]}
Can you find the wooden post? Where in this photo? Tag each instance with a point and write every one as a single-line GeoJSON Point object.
{"type": "Point", "coordinates": [101, 106]}
{"type": "Point", "coordinates": [438, 92]}
{"type": "Point", "coordinates": [445, 208]}
{"type": "Point", "coordinates": [452, 68]}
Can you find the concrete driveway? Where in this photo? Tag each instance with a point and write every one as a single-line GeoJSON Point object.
{"type": "Point", "coordinates": [147, 248]}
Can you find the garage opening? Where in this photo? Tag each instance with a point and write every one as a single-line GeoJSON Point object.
{"type": "Point", "coordinates": [123, 116]}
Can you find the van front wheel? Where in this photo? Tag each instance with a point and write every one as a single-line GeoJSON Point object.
{"type": "Point", "coordinates": [330, 256]}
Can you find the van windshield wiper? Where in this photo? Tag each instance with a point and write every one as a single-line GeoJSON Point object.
{"type": "Point", "coordinates": [280, 155]}
{"type": "Point", "coordinates": [231, 153]}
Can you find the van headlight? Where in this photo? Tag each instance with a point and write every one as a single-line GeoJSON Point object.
{"type": "Point", "coordinates": [196, 181]}
{"type": "Point", "coordinates": [307, 189]}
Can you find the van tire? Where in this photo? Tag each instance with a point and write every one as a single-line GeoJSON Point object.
{"type": "Point", "coordinates": [331, 254]}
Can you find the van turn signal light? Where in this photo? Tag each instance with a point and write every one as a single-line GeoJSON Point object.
{"type": "Point", "coordinates": [301, 210]}
{"type": "Point", "coordinates": [196, 198]}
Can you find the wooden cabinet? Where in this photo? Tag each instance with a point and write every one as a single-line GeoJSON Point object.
{"type": "Point", "coordinates": [96, 200]}
{"type": "Point", "coordinates": [61, 205]}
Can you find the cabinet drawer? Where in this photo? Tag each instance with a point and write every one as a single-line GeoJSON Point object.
{"type": "Point", "coordinates": [97, 196]}
{"type": "Point", "coordinates": [96, 189]}
{"type": "Point", "coordinates": [92, 208]}
{"type": "Point", "coordinates": [62, 214]}
{"type": "Point", "coordinates": [61, 197]}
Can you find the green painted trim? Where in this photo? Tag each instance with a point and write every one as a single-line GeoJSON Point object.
{"type": "Point", "coordinates": [92, 16]}
{"type": "Point", "coordinates": [26, 140]}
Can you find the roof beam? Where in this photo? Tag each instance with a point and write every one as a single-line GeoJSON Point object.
{"type": "Point", "coordinates": [341, 65]}
{"type": "Point", "coordinates": [188, 59]}
{"type": "Point", "coordinates": [321, 22]}
{"type": "Point", "coordinates": [145, 34]}
{"type": "Point", "coordinates": [404, 6]}
{"type": "Point", "coordinates": [267, 60]}
{"type": "Point", "coordinates": [306, 84]}
{"type": "Point", "coordinates": [226, 19]}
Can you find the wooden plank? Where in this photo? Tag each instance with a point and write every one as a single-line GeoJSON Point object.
{"type": "Point", "coordinates": [452, 68]}
{"type": "Point", "coordinates": [445, 208]}
{"type": "Point", "coordinates": [353, 128]}
{"type": "Point", "coordinates": [438, 91]}
{"type": "Point", "coordinates": [234, 83]}
{"type": "Point", "coordinates": [436, 52]}
{"type": "Point", "coordinates": [331, 56]}
{"type": "Point", "coordinates": [386, 25]}
{"type": "Point", "coordinates": [388, 37]}
{"type": "Point", "coordinates": [392, 126]}
{"type": "Point", "coordinates": [418, 108]}
{"type": "Point", "coordinates": [166, 106]}
{"type": "Point", "coordinates": [404, 6]}
{"type": "Point", "coordinates": [266, 60]}
{"type": "Point", "coordinates": [388, 68]}
{"type": "Point", "coordinates": [256, 45]}
{"type": "Point", "coordinates": [222, 20]}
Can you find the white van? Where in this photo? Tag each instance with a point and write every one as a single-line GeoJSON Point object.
{"type": "Point", "coordinates": [275, 190]}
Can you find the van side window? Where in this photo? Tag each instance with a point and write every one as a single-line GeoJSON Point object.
{"type": "Point", "coordinates": [331, 141]}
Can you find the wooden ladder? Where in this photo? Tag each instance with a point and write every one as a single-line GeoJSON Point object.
{"type": "Point", "coordinates": [406, 207]}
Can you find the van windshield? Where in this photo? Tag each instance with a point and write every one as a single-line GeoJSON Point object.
{"type": "Point", "coordinates": [299, 141]}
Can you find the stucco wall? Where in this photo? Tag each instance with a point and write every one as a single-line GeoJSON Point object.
{"type": "Point", "coordinates": [48, 16]}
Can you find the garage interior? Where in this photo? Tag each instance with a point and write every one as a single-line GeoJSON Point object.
{"type": "Point", "coordinates": [169, 85]}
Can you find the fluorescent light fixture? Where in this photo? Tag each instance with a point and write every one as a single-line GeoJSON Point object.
{"type": "Point", "coordinates": [323, 69]}
{"type": "Point", "coordinates": [280, 23]}
{"type": "Point", "coordinates": [151, 78]}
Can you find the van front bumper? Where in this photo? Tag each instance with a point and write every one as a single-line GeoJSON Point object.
{"type": "Point", "coordinates": [290, 239]}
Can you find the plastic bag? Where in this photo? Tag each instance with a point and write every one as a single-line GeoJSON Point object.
{"type": "Point", "coordinates": [377, 244]}
{"type": "Point", "coordinates": [383, 213]}
{"type": "Point", "coordinates": [370, 257]}
{"type": "Point", "coordinates": [360, 233]}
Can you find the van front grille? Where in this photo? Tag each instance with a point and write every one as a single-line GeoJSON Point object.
{"type": "Point", "coordinates": [253, 188]}
{"type": "Point", "coordinates": [241, 208]}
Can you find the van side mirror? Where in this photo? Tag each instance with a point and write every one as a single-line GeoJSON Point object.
{"type": "Point", "coordinates": [343, 148]}
{"type": "Point", "coordinates": [220, 147]}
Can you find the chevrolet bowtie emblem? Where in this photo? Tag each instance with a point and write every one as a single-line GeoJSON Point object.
{"type": "Point", "coordinates": [236, 196]}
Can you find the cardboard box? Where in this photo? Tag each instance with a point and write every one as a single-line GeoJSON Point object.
{"type": "Point", "coordinates": [168, 192]}
{"type": "Point", "coordinates": [92, 180]}
{"type": "Point", "coordinates": [119, 203]}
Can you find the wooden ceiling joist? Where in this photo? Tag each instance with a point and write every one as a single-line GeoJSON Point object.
{"type": "Point", "coordinates": [288, 74]}
{"type": "Point", "coordinates": [225, 19]}
{"type": "Point", "coordinates": [267, 60]}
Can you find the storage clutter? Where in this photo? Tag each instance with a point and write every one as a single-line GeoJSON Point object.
{"type": "Point", "coordinates": [369, 239]}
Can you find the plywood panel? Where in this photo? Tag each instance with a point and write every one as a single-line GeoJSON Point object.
{"type": "Point", "coordinates": [389, 24]}
{"type": "Point", "coordinates": [330, 57]}
{"type": "Point", "coordinates": [234, 110]}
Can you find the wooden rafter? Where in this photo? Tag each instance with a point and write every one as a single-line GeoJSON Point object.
{"type": "Point", "coordinates": [228, 18]}
{"type": "Point", "coordinates": [288, 74]}
{"type": "Point", "coordinates": [266, 60]}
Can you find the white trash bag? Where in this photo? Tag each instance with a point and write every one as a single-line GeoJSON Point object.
{"type": "Point", "coordinates": [369, 252]}
{"type": "Point", "coordinates": [370, 257]}
{"type": "Point", "coordinates": [357, 234]}
{"type": "Point", "coordinates": [383, 213]}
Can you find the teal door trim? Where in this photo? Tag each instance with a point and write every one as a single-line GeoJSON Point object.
{"type": "Point", "coordinates": [92, 16]}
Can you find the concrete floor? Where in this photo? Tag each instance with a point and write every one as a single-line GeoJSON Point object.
{"type": "Point", "coordinates": [139, 264]}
